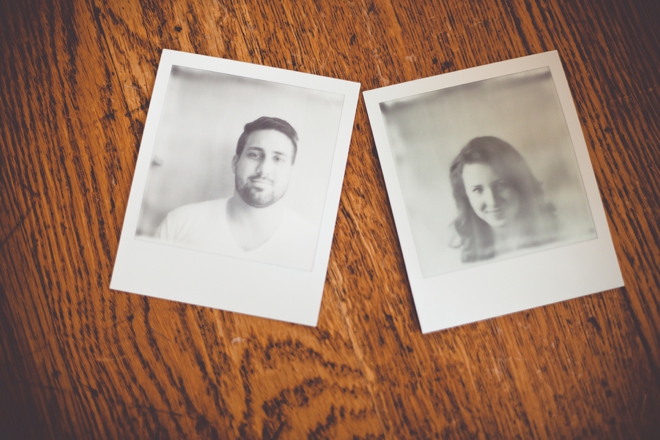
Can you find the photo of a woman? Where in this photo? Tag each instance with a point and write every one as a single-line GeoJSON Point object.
{"type": "Point", "coordinates": [492, 191]}
{"type": "Point", "coordinates": [487, 171]}
{"type": "Point", "coordinates": [501, 206]}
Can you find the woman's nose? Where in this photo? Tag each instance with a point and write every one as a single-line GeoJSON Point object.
{"type": "Point", "coordinates": [489, 198]}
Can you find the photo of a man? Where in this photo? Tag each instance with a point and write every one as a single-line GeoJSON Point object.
{"type": "Point", "coordinates": [240, 168]}
{"type": "Point", "coordinates": [254, 221]}
{"type": "Point", "coordinates": [236, 187]}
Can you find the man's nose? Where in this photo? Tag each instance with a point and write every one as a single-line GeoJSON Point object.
{"type": "Point", "coordinates": [265, 167]}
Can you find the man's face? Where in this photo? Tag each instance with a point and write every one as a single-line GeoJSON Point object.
{"type": "Point", "coordinates": [263, 170]}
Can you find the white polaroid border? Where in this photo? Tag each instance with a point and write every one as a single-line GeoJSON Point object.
{"type": "Point", "coordinates": [507, 285]}
{"type": "Point", "coordinates": [206, 279]}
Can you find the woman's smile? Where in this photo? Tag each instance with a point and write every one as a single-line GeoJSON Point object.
{"type": "Point", "coordinates": [492, 198]}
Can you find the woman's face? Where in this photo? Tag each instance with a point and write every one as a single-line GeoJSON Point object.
{"type": "Point", "coordinates": [491, 196]}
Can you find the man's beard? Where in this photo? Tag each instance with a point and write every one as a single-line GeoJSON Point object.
{"type": "Point", "coordinates": [255, 196]}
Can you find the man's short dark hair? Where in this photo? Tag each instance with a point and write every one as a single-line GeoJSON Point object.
{"type": "Point", "coordinates": [268, 123]}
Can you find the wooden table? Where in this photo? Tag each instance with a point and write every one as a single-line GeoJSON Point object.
{"type": "Point", "coordinates": [81, 361]}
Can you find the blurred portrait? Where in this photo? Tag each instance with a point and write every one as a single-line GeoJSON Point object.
{"type": "Point", "coordinates": [492, 190]}
{"type": "Point", "coordinates": [487, 171]}
{"type": "Point", "coordinates": [236, 187]}
{"type": "Point", "coordinates": [240, 167]}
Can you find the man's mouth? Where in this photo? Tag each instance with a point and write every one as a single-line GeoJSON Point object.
{"type": "Point", "coordinates": [262, 182]}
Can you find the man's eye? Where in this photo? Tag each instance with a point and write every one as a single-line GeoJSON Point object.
{"type": "Point", "coordinates": [253, 155]}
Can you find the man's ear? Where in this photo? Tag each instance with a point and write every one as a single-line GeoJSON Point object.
{"type": "Point", "coordinates": [234, 161]}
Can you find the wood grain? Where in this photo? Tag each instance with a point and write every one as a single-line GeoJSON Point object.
{"type": "Point", "coordinates": [81, 361]}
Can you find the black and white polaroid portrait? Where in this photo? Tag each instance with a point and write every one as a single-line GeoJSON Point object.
{"type": "Point", "coordinates": [487, 165]}
{"type": "Point", "coordinates": [487, 170]}
{"type": "Point", "coordinates": [240, 166]}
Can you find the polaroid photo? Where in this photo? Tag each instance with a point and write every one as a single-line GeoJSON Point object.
{"type": "Point", "coordinates": [492, 191]}
{"type": "Point", "coordinates": [236, 188]}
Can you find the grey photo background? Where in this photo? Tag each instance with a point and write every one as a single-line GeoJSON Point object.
{"type": "Point", "coordinates": [428, 130]}
{"type": "Point", "coordinates": [202, 118]}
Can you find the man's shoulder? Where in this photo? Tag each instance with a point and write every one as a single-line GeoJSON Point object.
{"type": "Point", "coordinates": [198, 209]}
{"type": "Point", "coordinates": [187, 222]}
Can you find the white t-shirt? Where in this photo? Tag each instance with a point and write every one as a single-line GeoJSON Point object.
{"type": "Point", "coordinates": [204, 226]}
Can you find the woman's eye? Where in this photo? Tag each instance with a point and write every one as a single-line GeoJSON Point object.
{"type": "Point", "coordinates": [502, 185]}
{"type": "Point", "coordinates": [477, 190]}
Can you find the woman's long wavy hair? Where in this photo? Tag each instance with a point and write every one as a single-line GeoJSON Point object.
{"type": "Point", "coordinates": [535, 219]}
